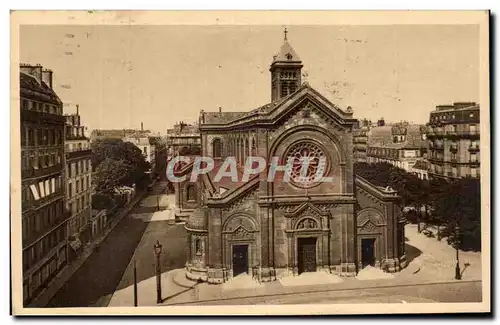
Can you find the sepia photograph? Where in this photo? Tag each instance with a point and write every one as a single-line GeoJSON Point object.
{"type": "Point", "coordinates": [297, 163]}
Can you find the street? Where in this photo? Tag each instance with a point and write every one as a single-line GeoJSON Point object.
{"type": "Point", "coordinates": [422, 293]}
{"type": "Point", "coordinates": [94, 283]}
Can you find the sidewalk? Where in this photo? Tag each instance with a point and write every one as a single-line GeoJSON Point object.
{"type": "Point", "coordinates": [177, 290]}
{"type": "Point", "coordinates": [432, 262]}
{"type": "Point", "coordinates": [62, 277]}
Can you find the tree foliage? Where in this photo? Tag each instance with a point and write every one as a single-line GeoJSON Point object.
{"type": "Point", "coordinates": [454, 206]}
{"type": "Point", "coordinates": [117, 163]}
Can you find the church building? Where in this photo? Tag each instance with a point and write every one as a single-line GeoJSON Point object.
{"type": "Point", "coordinates": [268, 229]}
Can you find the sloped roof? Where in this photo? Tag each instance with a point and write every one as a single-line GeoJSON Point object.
{"type": "Point", "coordinates": [421, 164]}
{"type": "Point", "coordinates": [382, 136]}
{"type": "Point", "coordinates": [222, 117]}
{"type": "Point", "coordinates": [31, 88]}
{"type": "Point", "coordinates": [286, 50]}
{"type": "Point", "coordinates": [266, 112]}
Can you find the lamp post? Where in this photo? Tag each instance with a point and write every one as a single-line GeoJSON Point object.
{"type": "Point", "coordinates": [458, 276]}
{"type": "Point", "coordinates": [157, 249]}
{"type": "Point", "coordinates": [135, 284]}
{"type": "Point", "coordinates": [158, 203]}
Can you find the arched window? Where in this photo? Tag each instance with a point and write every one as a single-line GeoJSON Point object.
{"type": "Point", "coordinates": [197, 246]}
{"type": "Point", "coordinates": [217, 148]}
{"type": "Point", "coordinates": [190, 193]}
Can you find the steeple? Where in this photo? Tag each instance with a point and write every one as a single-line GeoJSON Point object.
{"type": "Point", "coordinates": [285, 71]}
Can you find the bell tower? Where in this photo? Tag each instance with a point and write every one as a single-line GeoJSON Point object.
{"type": "Point", "coordinates": [285, 71]}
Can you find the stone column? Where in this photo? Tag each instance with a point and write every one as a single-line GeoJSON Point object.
{"type": "Point", "coordinates": [348, 266]}
{"type": "Point", "coordinates": [216, 271]}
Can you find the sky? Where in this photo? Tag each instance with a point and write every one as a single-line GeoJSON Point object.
{"type": "Point", "coordinates": [124, 75]}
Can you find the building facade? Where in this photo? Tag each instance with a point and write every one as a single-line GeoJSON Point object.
{"type": "Point", "coordinates": [360, 139]}
{"type": "Point", "coordinates": [183, 137]}
{"type": "Point", "coordinates": [272, 228]}
{"type": "Point", "coordinates": [397, 144]}
{"type": "Point", "coordinates": [453, 141]}
{"type": "Point", "coordinates": [44, 216]}
{"type": "Point", "coordinates": [78, 181]}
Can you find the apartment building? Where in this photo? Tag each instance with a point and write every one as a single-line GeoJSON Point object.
{"type": "Point", "coordinates": [44, 216]}
{"type": "Point", "coordinates": [78, 181]}
{"type": "Point", "coordinates": [453, 141]}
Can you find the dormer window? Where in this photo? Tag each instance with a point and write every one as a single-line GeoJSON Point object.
{"type": "Point", "coordinates": [289, 56]}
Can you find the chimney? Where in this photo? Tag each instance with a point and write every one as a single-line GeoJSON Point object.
{"type": "Point", "coordinates": [77, 109]}
{"type": "Point", "coordinates": [142, 127]}
{"type": "Point", "coordinates": [32, 70]}
{"type": "Point", "coordinates": [220, 109]}
{"type": "Point", "coordinates": [381, 122]}
{"type": "Point", "coordinates": [47, 77]}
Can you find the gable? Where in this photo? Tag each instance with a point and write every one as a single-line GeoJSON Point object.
{"type": "Point", "coordinates": [304, 100]}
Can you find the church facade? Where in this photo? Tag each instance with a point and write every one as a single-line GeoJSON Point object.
{"type": "Point", "coordinates": [266, 228]}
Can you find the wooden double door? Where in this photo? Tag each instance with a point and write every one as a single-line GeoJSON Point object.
{"type": "Point", "coordinates": [307, 255]}
{"type": "Point", "coordinates": [240, 259]}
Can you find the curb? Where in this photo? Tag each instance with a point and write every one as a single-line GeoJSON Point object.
{"type": "Point", "coordinates": [314, 291]}
{"type": "Point", "coordinates": [180, 284]}
{"type": "Point", "coordinates": [46, 299]}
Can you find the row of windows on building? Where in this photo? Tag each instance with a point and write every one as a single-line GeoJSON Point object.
{"type": "Point", "coordinates": [40, 107]}
{"type": "Point", "coordinates": [75, 131]}
{"type": "Point", "coordinates": [447, 116]}
{"type": "Point", "coordinates": [453, 144]}
{"type": "Point", "coordinates": [472, 128]}
{"type": "Point", "coordinates": [236, 147]}
{"type": "Point", "coordinates": [454, 171]}
{"type": "Point", "coordinates": [42, 188]}
{"type": "Point", "coordinates": [37, 252]}
{"type": "Point", "coordinates": [455, 157]}
{"type": "Point", "coordinates": [394, 153]}
{"type": "Point", "coordinates": [183, 141]}
{"type": "Point", "coordinates": [77, 186]}
{"type": "Point", "coordinates": [40, 159]}
{"type": "Point", "coordinates": [79, 204]}
{"type": "Point", "coordinates": [42, 275]}
{"type": "Point", "coordinates": [70, 147]}
{"type": "Point", "coordinates": [79, 221]}
{"type": "Point", "coordinates": [77, 168]}
{"type": "Point", "coordinates": [44, 219]}
{"type": "Point", "coordinates": [34, 136]}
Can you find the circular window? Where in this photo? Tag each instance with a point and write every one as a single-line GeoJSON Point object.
{"type": "Point", "coordinates": [301, 152]}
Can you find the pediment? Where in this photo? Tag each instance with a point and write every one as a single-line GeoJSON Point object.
{"type": "Point", "coordinates": [306, 208]}
{"type": "Point", "coordinates": [368, 227]}
{"type": "Point", "coordinates": [309, 104]}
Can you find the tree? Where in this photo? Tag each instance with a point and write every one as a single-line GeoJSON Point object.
{"type": "Point", "coordinates": [111, 174]}
{"type": "Point", "coordinates": [458, 209]}
{"type": "Point", "coordinates": [129, 156]}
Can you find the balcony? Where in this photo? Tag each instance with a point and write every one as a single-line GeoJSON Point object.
{"type": "Point", "coordinates": [27, 206]}
{"type": "Point", "coordinates": [474, 148]}
{"type": "Point", "coordinates": [454, 160]}
{"type": "Point", "coordinates": [78, 153]}
{"type": "Point", "coordinates": [474, 163]}
{"type": "Point", "coordinates": [35, 173]}
{"type": "Point", "coordinates": [45, 118]}
{"type": "Point", "coordinates": [454, 148]}
{"type": "Point", "coordinates": [44, 231]}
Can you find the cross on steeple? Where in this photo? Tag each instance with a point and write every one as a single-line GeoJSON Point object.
{"type": "Point", "coordinates": [285, 32]}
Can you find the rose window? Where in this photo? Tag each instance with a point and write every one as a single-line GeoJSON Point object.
{"type": "Point", "coordinates": [305, 151]}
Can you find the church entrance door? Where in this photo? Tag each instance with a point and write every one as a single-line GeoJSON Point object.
{"type": "Point", "coordinates": [307, 255]}
{"type": "Point", "coordinates": [368, 251]}
{"type": "Point", "coordinates": [240, 259]}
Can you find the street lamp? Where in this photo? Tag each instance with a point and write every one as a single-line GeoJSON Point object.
{"type": "Point", "coordinates": [158, 203]}
{"type": "Point", "coordinates": [157, 249]}
{"type": "Point", "coordinates": [458, 276]}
